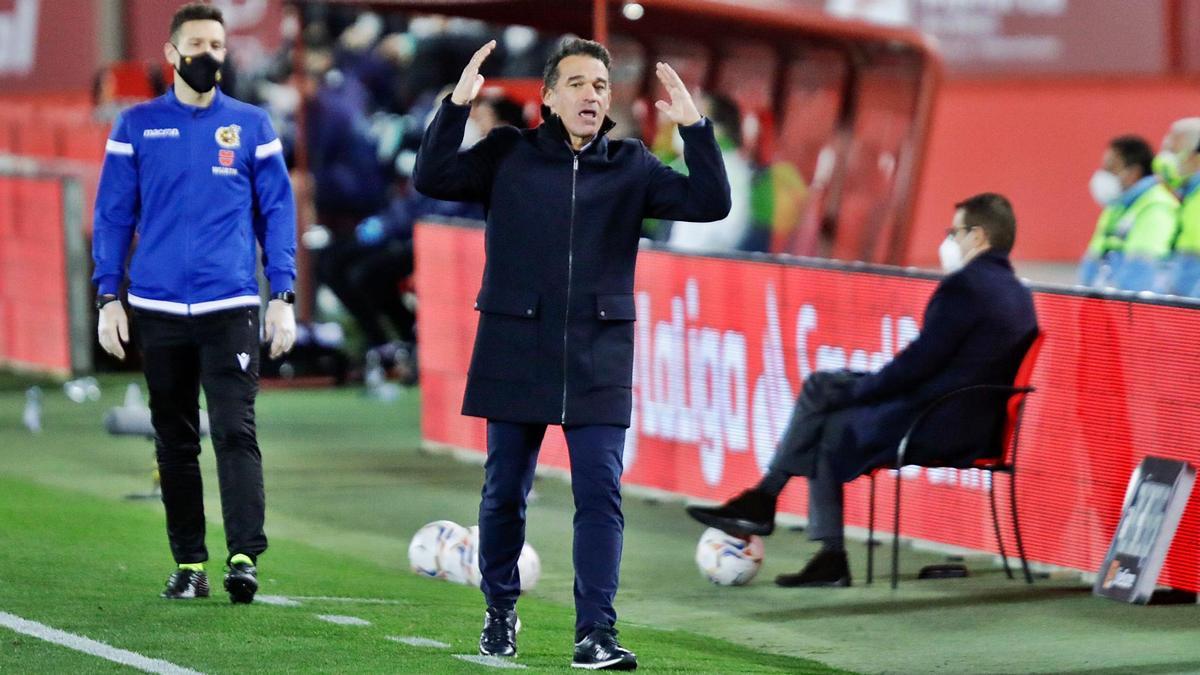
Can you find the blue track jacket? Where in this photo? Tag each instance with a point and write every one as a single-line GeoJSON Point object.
{"type": "Point", "coordinates": [200, 186]}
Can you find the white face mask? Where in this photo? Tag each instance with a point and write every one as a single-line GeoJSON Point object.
{"type": "Point", "coordinates": [951, 255]}
{"type": "Point", "coordinates": [1104, 186]}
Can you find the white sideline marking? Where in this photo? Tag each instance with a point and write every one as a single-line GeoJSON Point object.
{"type": "Point", "coordinates": [343, 620]}
{"type": "Point", "coordinates": [90, 646]}
{"type": "Point", "coordinates": [280, 600]}
{"type": "Point", "coordinates": [492, 661]}
{"type": "Point", "coordinates": [418, 641]}
{"type": "Point", "coordinates": [326, 598]}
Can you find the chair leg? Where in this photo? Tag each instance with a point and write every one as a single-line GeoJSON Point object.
{"type": "Point", "coordinates": [896, 534]}
{"type": "Point", "coordinates": [871, 532]}
{"type": "Point", "coordinates": [996, 523]}
{"type": "Point", "coordinates": [1012, 501]}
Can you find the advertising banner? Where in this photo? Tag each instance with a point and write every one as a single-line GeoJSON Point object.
{"type": "Point", "coordinates": [723, 345]}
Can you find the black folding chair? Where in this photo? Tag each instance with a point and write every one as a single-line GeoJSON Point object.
{"type": "Point", "coordinates": [1005, 461]}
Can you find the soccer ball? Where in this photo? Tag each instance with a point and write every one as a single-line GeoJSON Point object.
{"type": "Point", "coordinates": [727, 560]}
{"type": "Point", "coordinates": [474, 577]}
{"type": "Point", "coordinates": [457, 557]}
{"type": "Point", "coordinates": [425, 549]}
{"type": "Point", "coordinates": [529, 564]}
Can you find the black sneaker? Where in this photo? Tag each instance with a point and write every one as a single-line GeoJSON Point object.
{"type": "Point", "coordinates": [241, 582]}
{"type": "Point", "coordinates": [185, 585]}
{"type": "Point", "coordinates": [601, 651]}
{"type": "Point", "coordinates": [826, 569]}
{"type": "Point", "coordinates": [499, 636]}
{"type": "Point", "coordinates": [751, 512]}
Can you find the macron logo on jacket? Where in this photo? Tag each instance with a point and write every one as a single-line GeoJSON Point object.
{"type": "Point", "coordinates": [200, 187]}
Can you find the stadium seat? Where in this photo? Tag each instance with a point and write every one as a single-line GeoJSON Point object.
{"type": "Point", "coordinates": [1002, 460]}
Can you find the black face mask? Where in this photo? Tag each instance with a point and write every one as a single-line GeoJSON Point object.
{"type": "Point", "coordinates": [202, 72]}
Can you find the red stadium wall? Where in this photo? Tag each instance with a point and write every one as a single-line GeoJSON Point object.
{"type": "Point", "coordinates": [1037, 141]}
{"type": "Point", "coordinates": [34, 325]}
{"type": "Point", "coordinates": [723, 345]}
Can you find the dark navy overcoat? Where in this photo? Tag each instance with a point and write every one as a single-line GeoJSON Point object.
{"type": "Point", "coordinates": [554, 343]}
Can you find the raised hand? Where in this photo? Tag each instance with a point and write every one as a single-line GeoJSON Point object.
{"type": "Point", "coordinates": [681, 110]}
{"type": "Point", "coordinates": [470, 82]}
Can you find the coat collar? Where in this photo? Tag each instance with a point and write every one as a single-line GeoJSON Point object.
{"type": "Point", "coordinates": [552, 134]}
{"type": "Point", "coordinates": [993, 257]}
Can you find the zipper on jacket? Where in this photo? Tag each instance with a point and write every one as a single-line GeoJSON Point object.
{"type": "Point", "coordinates": [570, 268]}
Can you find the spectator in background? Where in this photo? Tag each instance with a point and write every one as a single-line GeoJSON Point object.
{"type": "Point", "coordinates": [367, 275]}
{"type": "Point", "coordinates": [1180, 159]}
{"type": "Point", "coordinates": [1166, 162]}
{"type": "Point", "coordinates": [349, 182]}
{"type": "Point", "coordinates": [727, 233]}
{"type": "Point", "coordinates": [441, 43]}
{"type": "Point", "coordinates": [1137, 227]}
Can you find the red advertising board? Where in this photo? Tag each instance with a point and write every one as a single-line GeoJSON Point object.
{"type": "Point", "coordinates": [722, 346]}
{"type": "Point", "coordinates": [34, 323]}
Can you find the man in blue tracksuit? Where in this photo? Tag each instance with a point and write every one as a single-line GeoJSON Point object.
{"type": "Point", "coordinates": [554, 345]}
{"type": "Point", "coordinates": [200, 177]}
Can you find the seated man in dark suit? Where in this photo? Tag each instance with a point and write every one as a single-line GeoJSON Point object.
{"type": "Point", "coordinates": [977, 327]}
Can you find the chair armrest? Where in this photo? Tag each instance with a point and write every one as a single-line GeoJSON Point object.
{"type": "Point", "coordinates": [986, 389]}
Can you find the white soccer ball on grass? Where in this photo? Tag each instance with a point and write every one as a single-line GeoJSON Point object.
{"type": "Point", "coordinates": [728, 560]}
{"type": "Point", "coordinates": [425, 555]}
{"type": "Point", "coordinates": [458, 559]}
{"type": "Point", "coordinates": [529, 564]}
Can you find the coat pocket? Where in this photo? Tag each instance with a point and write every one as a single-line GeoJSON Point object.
{"type": "Point", "coordinates": [506, 342]}
{"type": "Point", "coordinates": [612, 351]}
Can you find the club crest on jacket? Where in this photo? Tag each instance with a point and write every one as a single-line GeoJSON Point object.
{"type": "Point", "coordinates": [230, 136]}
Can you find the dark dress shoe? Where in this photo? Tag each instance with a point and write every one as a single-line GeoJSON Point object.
{"type": "Point", "coordinates": [499, 637]}
{"type": "Point", "coordinates": [751, 512]}
{"type": "Point", "coordinates": [601, 651]}
{"type": "Point", "coordinates": [826, 569]}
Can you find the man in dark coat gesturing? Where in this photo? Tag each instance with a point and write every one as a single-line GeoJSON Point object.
{"type": "Point", "coordinates": [554, 344]}
{"type": "Point", "coordinates": [977, 328]}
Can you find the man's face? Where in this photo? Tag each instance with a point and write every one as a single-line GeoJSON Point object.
{"type": "Point", "coordinates": [581, 96]}
{"type": "Point", "coordinates": [1113, 164]}
{"type": "Point", "coordinates": [967, 238]}
{"type": "Point", "coordinates": [1189, 163]}
{"type": "Point", "coordinates": [194, 38]}
{"type": "Point", "coordinates": [1173, 141]}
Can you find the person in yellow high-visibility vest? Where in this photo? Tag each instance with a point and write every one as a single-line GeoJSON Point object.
{"type": "Point", "coordinates": [1176, 144]}
{"type": "Point", "coordinates": [1181, 154]}
{"type": "Point", "coordinates": [1137, 227]}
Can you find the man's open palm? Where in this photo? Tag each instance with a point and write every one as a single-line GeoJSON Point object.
{"type": "Point", "coordinates": [470, 82]}
{"type": "Point", "coordinates": [681, 110]}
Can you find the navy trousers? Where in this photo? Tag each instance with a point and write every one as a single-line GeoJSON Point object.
{"type": "Point", "coordinates": [595, 452]}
